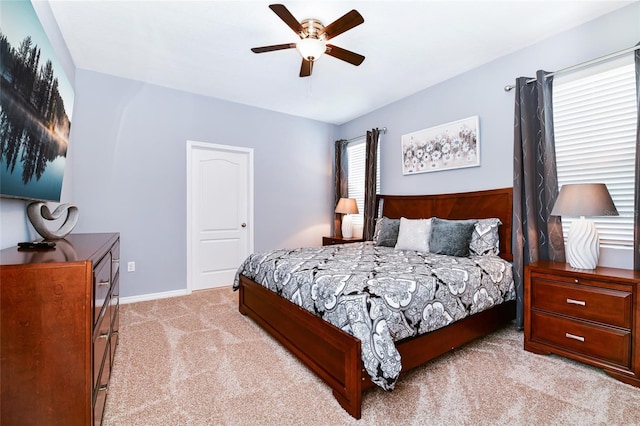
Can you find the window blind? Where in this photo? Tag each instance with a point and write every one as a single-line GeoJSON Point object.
{"type": "Point", "coordinates": [356, 157]}
{"type": "Point", "coordinates": [595, 114]}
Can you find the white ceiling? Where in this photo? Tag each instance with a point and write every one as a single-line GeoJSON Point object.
{"type": "Point", "coordinates": [204, 46]}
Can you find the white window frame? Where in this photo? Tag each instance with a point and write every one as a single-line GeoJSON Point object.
{"type": "Point", "coordinates": [595, 120]}
{"type": "Point", "coordinates": [356, 157]}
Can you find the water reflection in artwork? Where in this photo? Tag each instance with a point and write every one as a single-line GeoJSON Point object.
{"type": "Point", "coordinates": [34, 125]}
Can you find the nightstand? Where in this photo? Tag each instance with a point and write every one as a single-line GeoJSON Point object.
{"type": "Point", "coordinates": [592, 316]}
{"type": "Point", "coordinates": [329, 241]}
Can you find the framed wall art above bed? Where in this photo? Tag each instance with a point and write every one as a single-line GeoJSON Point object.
{"type": "Point", "coordinates": [448, 146]}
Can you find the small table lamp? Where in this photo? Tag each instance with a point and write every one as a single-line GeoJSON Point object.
{"type": "Point", "coordinates": [347, 206]}
{"type": "Point", "coordinates": [583, 199]}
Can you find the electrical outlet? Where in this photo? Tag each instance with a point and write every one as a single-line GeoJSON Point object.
{"type": "Point", "coordinates": [131, 266]}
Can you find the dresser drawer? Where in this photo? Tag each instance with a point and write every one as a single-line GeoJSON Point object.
{"type": "Point", "coordinates": [101, 337]}
{"type": "Point", "coordinates": [100, 394]}
{"type": "Point", "coordinates": [115, 332]}
{"type": "Point", "coordinates": [603, 305]}
{"type": "Point", "coordinates": [114, 309]}
{"type": "Point", "coordinates": [101, 285]}
{"type": "Point", "coordinates": [604, 343]}
{"type": "Point", "coordinates": [115, 260]}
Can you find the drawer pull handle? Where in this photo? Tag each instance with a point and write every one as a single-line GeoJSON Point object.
{"type": "Point", "coordinates": [104, 335]}
{"type": "Point", "coordinates": [103, 283]}
{"type": "Point", "coordinates": [103, 388]}
{"type": "Point", "coordinates": [574, 337]}
{"type": "Point", "coordinates": [576, 302]}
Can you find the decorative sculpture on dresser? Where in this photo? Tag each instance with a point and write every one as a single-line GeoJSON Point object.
{"type": "Point", "coordinates": [39, 213]}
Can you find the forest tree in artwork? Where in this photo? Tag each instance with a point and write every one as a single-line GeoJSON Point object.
{"type": "Point", "coordinates": [34, 121]}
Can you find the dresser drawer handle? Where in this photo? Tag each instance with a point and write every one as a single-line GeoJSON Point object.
{"type": "Point", "coordinates": [103, 283]}
{"type": "Point", "coordinates": [104, 335]}
{"type": "Point", "coordinates": [103, 388]}
{"type": "Point", "coordinates": [576, 302]}
{"type": "Point", "coordinates": [574, 337]}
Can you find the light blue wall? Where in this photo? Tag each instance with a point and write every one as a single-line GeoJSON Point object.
{"type": "Point", "coordinates": [128, 167]}
{"type": "Point", "coordinates": [480, 92]}
{"type": "Point", "coordinates": [130, 177]}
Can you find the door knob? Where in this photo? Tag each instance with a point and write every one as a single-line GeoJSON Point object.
{"type": "Point", "coordinates": [244, 225]}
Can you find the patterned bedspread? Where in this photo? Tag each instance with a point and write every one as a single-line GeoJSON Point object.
{"type": "Point", "coordinates": [382, 295]}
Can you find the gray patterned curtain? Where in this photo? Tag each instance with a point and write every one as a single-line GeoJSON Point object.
{"type": "Point", "coordinates": [341, 182]}
{"type": "Point", "coordinates": [636, 221]}
{"type": "Point", "coordinates": [370, 189]}
{"type": "Point", "coordinates": [536, 235]}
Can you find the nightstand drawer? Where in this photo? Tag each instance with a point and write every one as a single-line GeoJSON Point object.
{"type": "Point", "coordinates": [604, 343]}
{"type": "Point", "coordinates": [330, 241]}
{"type": "Point", "coordinates": [603, 305]}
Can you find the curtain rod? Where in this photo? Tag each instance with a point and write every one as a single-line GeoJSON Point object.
{"type": "Point", "coordinates": [510, 87]}
{"type": "Point", "coordinates": [383, 131]}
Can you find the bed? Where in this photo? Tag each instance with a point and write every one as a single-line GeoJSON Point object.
{"type": "Point", "coordinates": [333, 352]}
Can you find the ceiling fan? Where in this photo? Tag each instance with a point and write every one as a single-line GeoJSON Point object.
{"type": "Point", "coordinates": [314, 36]}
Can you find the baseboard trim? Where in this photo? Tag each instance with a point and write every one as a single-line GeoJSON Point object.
{"type": "Point", "coordinates": [153, 296]}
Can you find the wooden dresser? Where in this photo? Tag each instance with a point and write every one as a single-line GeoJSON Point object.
{"type": "Point", "coordinates": [59, 330]}
{"type": "Point", "coordinates": [592, 316]}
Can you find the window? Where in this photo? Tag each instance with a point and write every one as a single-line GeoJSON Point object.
{"type": "Point", "coordinates": [356, 155]}
{"type": "Point", "coordinates": [595, 114]}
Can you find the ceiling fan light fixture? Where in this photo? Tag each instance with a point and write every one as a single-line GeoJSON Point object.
{"type": "Point", "coordinates": [314, 37]}
{"type": "Point", "coordinates": [311, 48]}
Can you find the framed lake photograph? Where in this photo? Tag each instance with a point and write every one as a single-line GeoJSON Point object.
{"type": "Point", "coordinates": [36, 103]}
{"type": "Point", "coordinates": [448, 146]}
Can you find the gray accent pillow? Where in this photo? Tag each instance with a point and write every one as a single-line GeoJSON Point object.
{"type": "Point", "coordinates": [386, 232]}
{"type": "Point", "coordinates": [451, 237]}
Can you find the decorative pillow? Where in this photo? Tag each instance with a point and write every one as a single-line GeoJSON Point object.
{"type": "Point", "coordinates": [485, 239]}
{"type": "Point", "coordinates": [386, 232]}
{"type": "Point", "coordinates": [413, 234]}
{"type": "Point", "coordinates": [451, 237]}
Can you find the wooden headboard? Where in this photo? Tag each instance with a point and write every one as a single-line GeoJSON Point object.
{"type": "Point", "coordinates": [464, 205]}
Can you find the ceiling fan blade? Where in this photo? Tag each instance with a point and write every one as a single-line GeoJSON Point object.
{"type": "Point", "coordinates": [346, 22]}
{"type": "Point", "coordinates": [272, 48]}
{"type": "Point", "coordinates": [344, 54]}
{"type": "Point", "coordinates": [306, 68]}
{"type": "Point", "coordinates": [288, 18]}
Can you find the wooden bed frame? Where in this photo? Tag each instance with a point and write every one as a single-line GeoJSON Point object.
{"type": "Point", "coordinates": [335, 355]}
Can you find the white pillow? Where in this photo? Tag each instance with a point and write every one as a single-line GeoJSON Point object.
{"type": "Point", "coordinates": [414, 234]}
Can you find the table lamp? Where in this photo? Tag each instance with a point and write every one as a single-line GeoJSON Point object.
{"type": "Point", "coordinates": [347, 206]}
{"type": "Point", "coordinates": [583, 199]}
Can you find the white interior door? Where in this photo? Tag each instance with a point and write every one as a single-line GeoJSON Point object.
{"type": "Point", "coordinates": [221, 204]}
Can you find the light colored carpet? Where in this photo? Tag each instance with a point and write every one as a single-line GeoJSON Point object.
{"type": "Point", "coordinates": [195, 360]}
